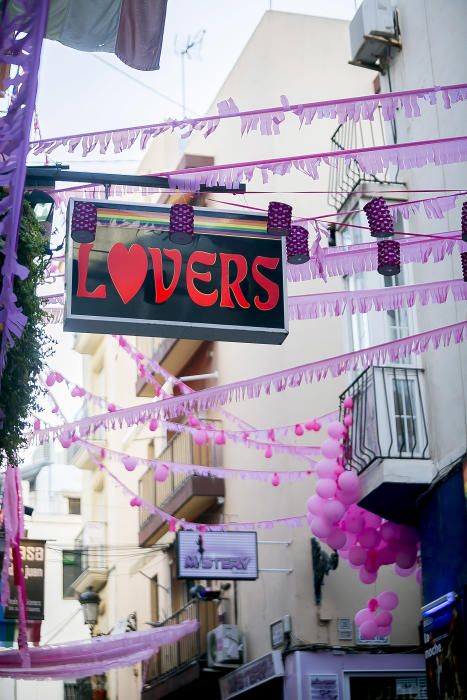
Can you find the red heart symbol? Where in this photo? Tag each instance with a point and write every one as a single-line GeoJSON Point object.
{"type": "Point", "coordinates": [128, 269]}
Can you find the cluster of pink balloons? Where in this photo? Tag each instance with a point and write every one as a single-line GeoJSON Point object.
{"type": "Point", "coordinates": [376, 619]}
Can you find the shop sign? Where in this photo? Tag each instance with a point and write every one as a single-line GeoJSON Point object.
{"type": "Point", "coordinates": [217, 555]}
{"type": "Point", "coordinates": [248, 676]}
{"type": "Point", "coordinates": [228, 283]}
{"type": "Point", "coordinates": [411, 688]}
{"type": "Point", "coordinates": [375, 641]}
{"type": "Point", "coordinates": [33, 556]}
{"type": "Point", "coordinates": [444, 654]}
{"type": "Point", "coordinates": [323, 687]}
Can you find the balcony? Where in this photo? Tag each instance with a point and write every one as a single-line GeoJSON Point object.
{"type": "Point", "coordinates": [179, 664]}
{"type": "Point", "coordinates": [345, 177]}
{"type": "Point", "coordinates": [182, 495]}
{"type": "Point", "coordinates": [94, 568]}
{"type": "Point", "coordinates": [388, 440]}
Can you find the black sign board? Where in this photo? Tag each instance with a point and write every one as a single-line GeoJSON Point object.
{"type": "Point", "coordinates": [445, 653]}
{"type": "Point", "coordinates": [33, 557]}
{"type": "Point", "coordinates": [227, 284]}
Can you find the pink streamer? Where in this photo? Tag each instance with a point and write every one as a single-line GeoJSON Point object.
{"type": "Point", "coordinates": [266, 120]}
{"type": "Point", "coordinates": [93, 656]}
{"type": "Point", "coordinates": [312, 306]}
{"type": "Point", "coordinates": [279, 381]}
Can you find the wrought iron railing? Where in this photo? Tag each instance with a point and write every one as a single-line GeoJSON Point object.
{"type": "Point", "coordinates": [174, 657]}
{"type": "Point", "coordinates": [346, 176]}
{"type": "Point", "coordinates": [388, 417]}
{"type": "Point", "coordinates": [181, 448]}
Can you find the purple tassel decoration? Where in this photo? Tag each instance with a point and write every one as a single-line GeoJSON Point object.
{"type": "Point", "coordinates": [297, 246]}
{"type": "Point", "coordinates": [279, 218]}
{"type": "Point", "coordinates": [464, 265]}
{"type": "Point", "coordinates": [84, 222]}
{"type": "Point", "coordinates": [181, 224]}
{"type": "Point", "coordinates": [389, 258]}
{"type": "Point", "coordinates": [379, 218]}
{"type": "Point", "coordinates": [464, 222]}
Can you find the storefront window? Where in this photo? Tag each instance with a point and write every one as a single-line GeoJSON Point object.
{"type": "Point", "coordinates": [385, 687]}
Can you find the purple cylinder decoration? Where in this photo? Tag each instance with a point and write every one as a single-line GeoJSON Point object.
{"type": "Point", "coordinates": [464, 266]}
{"type": "Point", "coordinates": [84, 222]}
{"type": "Point", "coordinates": [464, 222]}
{"type": "Point", "coordinates": [181, 224]}
{"type": "Point", "coordinates": [389, 258]}
{"type": "Point", "coordinates": [279, 218]}
{"type": "Point", "coordinates": [297, 246]}
{"type": "Point", "coordinates": [379, 218]}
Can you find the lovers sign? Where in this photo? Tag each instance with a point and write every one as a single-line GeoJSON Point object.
{"type": "Point", "coordinates": [128, 277]}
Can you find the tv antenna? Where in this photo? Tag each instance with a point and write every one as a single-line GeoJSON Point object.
{"type": "Point", "coordinates": [190, 48]}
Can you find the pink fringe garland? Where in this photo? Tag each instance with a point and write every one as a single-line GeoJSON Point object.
{"type": "Point", "coordinates": [312, 306]}
{"type": "Point", "coordinates": [373, 160]}
{"type": "Point", "coordinates": [253, 388]}
{"type": "Point", "coordinates": [363, 257]}
{"type": "Point", "coordinates": [293, 522]}
{"type": "Point", "coordinates": [92, 656]}
{"type": "Point", "coordinates": [199, 470]}
{"type": "Point", "coordinates": [267, 121]}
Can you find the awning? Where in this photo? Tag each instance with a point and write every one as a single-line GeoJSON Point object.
{"type": "Point", "coordinates": [262, 670]}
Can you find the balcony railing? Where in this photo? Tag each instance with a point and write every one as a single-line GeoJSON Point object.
{"type": "Point", "coordinates": [181, 448]}
{"type": "Point", "coordinates": [90, 543]}
{"type": "Point", "coordinates": [346, 176]}
{"type": "Point", "coordinates": [388, 417]}
{"type": "Point", "coordinates": [173, 658]}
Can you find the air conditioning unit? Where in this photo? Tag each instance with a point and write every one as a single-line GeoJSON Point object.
{"type": "Point", "coordinates": [225, 646]}
{"type": "Point", "coordinates": [373, 31]}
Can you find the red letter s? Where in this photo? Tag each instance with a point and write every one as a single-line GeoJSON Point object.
{"type": "Point", "coordinates": [272, 288]}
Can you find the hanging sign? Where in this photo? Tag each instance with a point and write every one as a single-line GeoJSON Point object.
{"type": "Point", "coordinates": [124, 275]}
{"type": "Point", "coordinates": [33, 558]}
{"type": "Point", "coordinates": [217, 555]}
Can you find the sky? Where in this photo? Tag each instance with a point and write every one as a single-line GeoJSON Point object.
{"type": "Point", "coordinates": [83, 92]}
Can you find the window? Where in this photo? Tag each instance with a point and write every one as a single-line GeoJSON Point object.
{"type": "Point", "coordinates": [71, 561]}
{"type": "Point", "coordinates": [405, 417]}
{"type": "Point", "coordinates": [74, 506]}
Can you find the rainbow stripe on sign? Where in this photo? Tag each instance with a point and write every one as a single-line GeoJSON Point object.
{"type": "Point", "coordinates": [209, 221]}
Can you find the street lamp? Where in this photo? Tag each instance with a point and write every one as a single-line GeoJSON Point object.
{"type": "Point", "coordinates": [89, 601]}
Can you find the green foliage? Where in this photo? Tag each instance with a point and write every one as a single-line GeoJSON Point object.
{"type": "Point", "coordinates": [20, 389]}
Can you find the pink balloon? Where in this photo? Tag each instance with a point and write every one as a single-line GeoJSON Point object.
{"type": "Point", "coordinates": [333, 510]}
{"type": "Point", "coordinates": [388, 600]}
{"type": "Point", "coordinates": [372, 605]}
{"type": "Point", "coordinates": [161, 472]}
{"type": "Point", "coordinates": [50, 379]}
{"type": "Point", "coordinates": [369, 538]}
{"type": "Point", "coordinates": [130, 463]}
{"type": "Point", "coordinates": [348, 420]}
{"type": "Point", "coordinates": [348, 402]}
{"type": "Point", "coordinates": [347, 498]}
{"type": "Point", "coordinates": [371, 563]}
{"type": "Point", "coordinates": [389, 531]}
{"type": "Point", "coordinates": [357, 555]}
{"type": "Point", "coordinates": [65, 441]}
{"type": "Point", "coordinates": [320, 527]}
{"type": "Point", "coordinates": [383, 618]}
{"type": "Point", "coordinates": [354, 522]}
{"type": "Point", "coordinates": [363, 615]}
{"type": "Point", "coordinates": [37, 424]}
{"type": "Point", "coordinates": [313, 425]}
{"type": "Point", "coordinates": [367, 576]}
{"type": "Point", "coordinates": [136, 502]}
{"type": "Point", "coordinates": [408, 535]}
{"type": "Point", "coordinates": [404, 573]}
{"type": "Point", "coordinates": [348, 481]}
{"type": "Point", "coordinates": [372, 520]}
{"type": "Point", "coordinates": [384, 631]}
{"type": "Point", "coordinates": [326, 488]}
{"type": "Point", "coordinates": [406, 557]}
{"type": "Point", "coordinates": [298, 430]}
{"type": "Point", "coordinates": [369, 629]}
{"type": "Point", "coordinates": [220, 438]}
{"type": "Point", "coordinates": [200, 437]}
{"type": "Point", "coordinates": [315, 504]}
{"type": "Point", "coordinates": [193, 421]}
{"type": "Point", "coordinates": [275, 481]}
{"type": "Point", "coordinates": [153, 424]}
{"type": "Point", "coordinates": [385, 556]}
{"type": "Point", "coordinates": [331, 449]}
{"type": "Point", "coordinates": [326, 468]}
{"type": "Point", "coordinates": [337, 539]}
{"type": "Point", "coordinates": [268, 452]}
{"type": "Point", "coordinates": [336, 430]}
